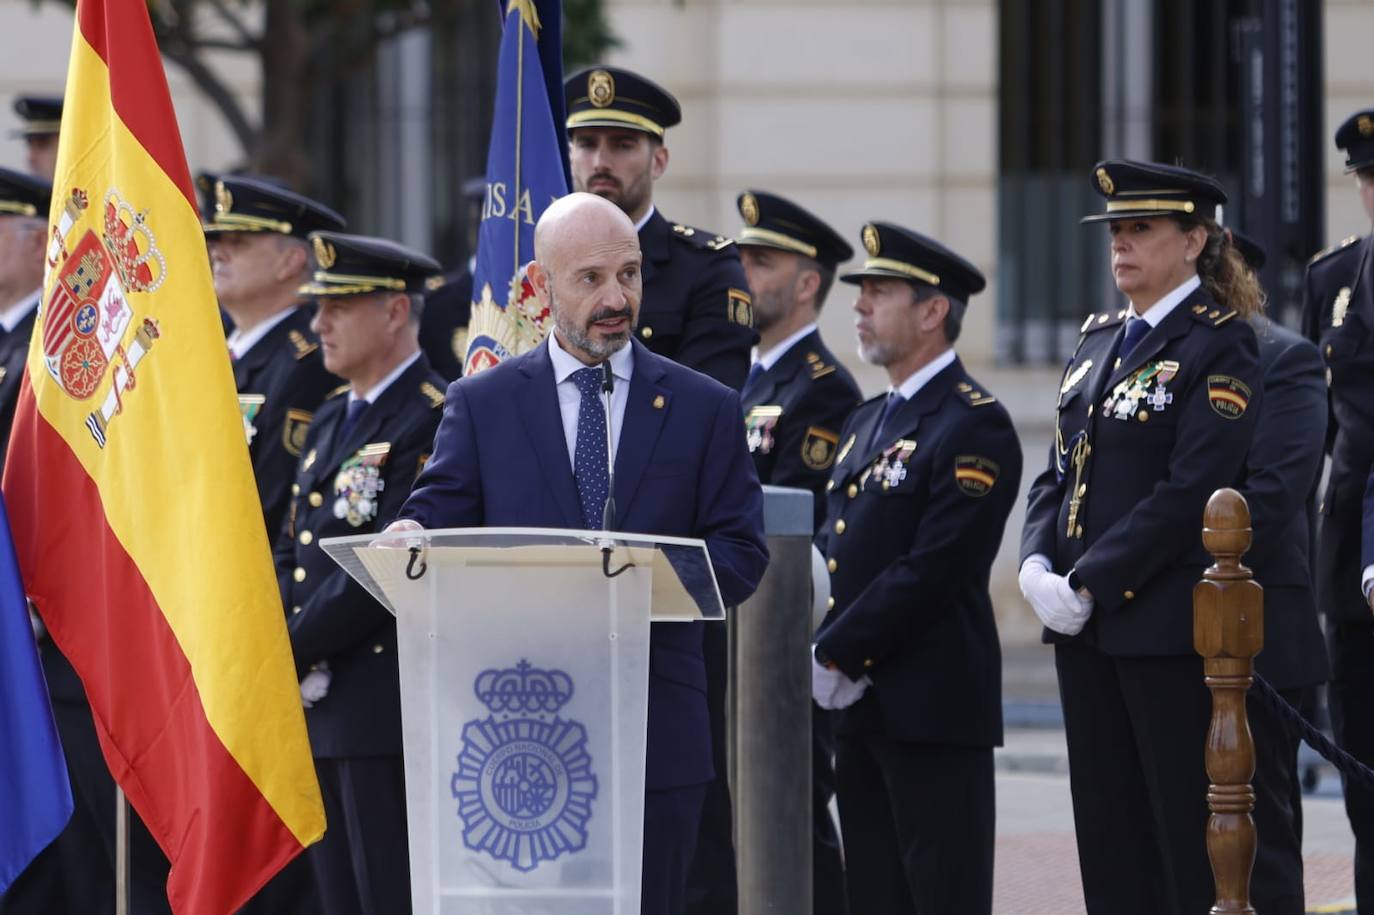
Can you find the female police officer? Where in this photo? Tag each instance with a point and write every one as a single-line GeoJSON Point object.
{"type": "Point", "coordinates": [1155, 412]}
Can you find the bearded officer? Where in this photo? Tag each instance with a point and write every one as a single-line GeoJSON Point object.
{"type": "Point", "coordinates": [922, 486]}
{"type": "Point", "coordinates": [795, 401]}
{"type": "Point", "coordinates": [259, 257]}
{"type": "Point", "coordinates": [362, 452]}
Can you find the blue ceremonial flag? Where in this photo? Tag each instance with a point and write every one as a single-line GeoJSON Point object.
{"type": "Point", "coordinates": [526, 171]}
{"type": "Point", "coordinates": [35, 795]}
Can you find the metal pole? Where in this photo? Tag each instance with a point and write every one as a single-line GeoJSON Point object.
{"type": "Point", "coordinates": [121, 852]}
{"type": "Point", "coordinates": [770, 686]}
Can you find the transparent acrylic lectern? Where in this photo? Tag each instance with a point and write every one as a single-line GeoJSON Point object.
{"type": "Point", "coordinates": [524, 702]}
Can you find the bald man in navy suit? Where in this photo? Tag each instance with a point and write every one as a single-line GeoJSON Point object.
{"type": "Point", "coordinates": [515, 448]}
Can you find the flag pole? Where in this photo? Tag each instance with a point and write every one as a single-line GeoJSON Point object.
{"type": "Point", "coordinates": [121, 852]}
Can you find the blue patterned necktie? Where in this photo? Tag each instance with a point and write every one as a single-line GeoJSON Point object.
{"type": "Point", "coordinates": [890, 406]}
{"type": "Point", "coordinates": [356, 408]}
{"type": "Point", "coordinates": [1136, 328]}
{"type": "Point", "coordinates": [589, 463]}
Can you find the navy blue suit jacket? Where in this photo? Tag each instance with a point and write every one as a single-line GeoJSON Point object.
{"type": "Point", "coordinates": [682, 469]}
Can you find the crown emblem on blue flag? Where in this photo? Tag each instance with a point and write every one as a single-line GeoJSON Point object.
{"type": "Point", "coordinates": [524, 783]}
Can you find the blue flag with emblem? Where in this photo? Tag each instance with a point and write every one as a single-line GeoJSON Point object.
{"type": "Point", "coordinates": [35, 795]}
{"type": "Point", "coordinates": [526, 171]}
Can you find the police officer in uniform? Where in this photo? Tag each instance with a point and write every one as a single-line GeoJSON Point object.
{"type": "Point", "coordinates": [696, 311]}
{"type": "Point", "coordinates": [796, 399]}
{"type": "Point", "coordinates": [1338, 314]}
{"type": "Point", "coordinates": [23, 237]}
{"type": "Point", "coordinates": [1281, 473]}
{"type": "Point", "coordinates": [922, 486]}
{"type": "Point", "coordinates": [259, 257]}
{"type": "Point", "coordinates": [361, 455]}
{"type": "Point", "coordinates": [42, 117]}
{"type": "Point", "coordinates": [1155, 412]}
{"type": "Point", "coordinates": [697, 308]}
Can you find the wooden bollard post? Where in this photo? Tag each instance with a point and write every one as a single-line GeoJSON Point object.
{"type": "Point", "coordinates": [1228, 631]}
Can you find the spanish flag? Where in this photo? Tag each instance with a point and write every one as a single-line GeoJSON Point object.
{"type": "Point", "coordinates": [132, 501]}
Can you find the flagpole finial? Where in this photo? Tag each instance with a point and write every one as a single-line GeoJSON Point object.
{"type": "Point", "coordinates": [527, 13]}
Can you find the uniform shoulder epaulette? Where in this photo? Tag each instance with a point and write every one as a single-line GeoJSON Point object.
{"type": "Point", "coordinates": [975, 397]}
{"type": "Point", "coordinates": [1103, 319]}
{"type": "Point", "coordinates": [301, 345]}
{"type": "Point", "coordinates": [818, 366]}
{"type": "Point", "coordinates": [1213, 316]}
{"type": "Point", "coordinates": [700, 238]}
{"type": "Point", "coordinates": [432, 394]}
{"type": "Point", "coordinates": [1341, 245]}
{"type": "Point", "coordinates": [341, 389]}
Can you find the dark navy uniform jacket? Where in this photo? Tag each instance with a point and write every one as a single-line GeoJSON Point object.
{"type": "Point", "coordinates": [914, 520]}
{"type": "Point", "coordinates": [681, 469]}
{"type": "Point", "coordinates": [1281, 474]}
{"type": "Point", "coordinates": [697, 310]}
{"type": "Point", "coordinates": [14, 352]}
{"type": "Point", "coordinates": [1134, 464]}
{"type": "Point", "coordinates": [1338, 314]}
{"type": "Point", "coordinates": [793, 415]}
{"type": "Point", "coordinates": [330, 617]}
{"type": "Point", "coordinates": [281, 381]}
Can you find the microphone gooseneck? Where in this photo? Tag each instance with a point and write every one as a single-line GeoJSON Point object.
{"type": "Point", "coordinates": [608, 511]}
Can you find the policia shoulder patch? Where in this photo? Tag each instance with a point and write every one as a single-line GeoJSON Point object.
{"type": "Point", "coordinates": [1228, 396]}
{"type": "Point", "coordinates": [975, 475]}
{"type": "Point", "coordinates": [818, 448]}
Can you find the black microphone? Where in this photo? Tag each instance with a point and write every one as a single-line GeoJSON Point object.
{"type": "Point", "coordinates": [608, 511]}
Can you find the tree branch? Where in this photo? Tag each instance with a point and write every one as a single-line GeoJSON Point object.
{"type": "Point", "coordinates": [248, 39]}
{"type": "Point", "coordinates": [214, 88]}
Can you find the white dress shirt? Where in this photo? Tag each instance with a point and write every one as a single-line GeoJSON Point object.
{"type": "Point", "coordinates": [241, 343]}
{"type": "Point", "coordinates": [380, 387]}
{"type": "Point", "coordinates": [770, 358]}
{"type": "Point", "coordinates": [917, 379]}
{"type": "Point", "coordinates": [570, 398]}
{"type": "Point", "coordinates": [1160, 310]}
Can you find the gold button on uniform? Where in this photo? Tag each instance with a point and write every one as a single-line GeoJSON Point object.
{"type": "Point", "coordinates": [830, 603]}
{"type": "Point", "coordinates": [839, 526]}
{"type": "Point", "coordinates": [1142, 416]}
{"type": "Point", "coordinates": [832, 565]}
{"type": "Point", "coordinates": [315, 500]}
{"type": "Point", "coordinates": [829, 485]}
{"type": "Point", "coordinates": [1129, 595]}
{"type": "Point", "coordinates": [295, 489]}
{"type": "Point", "coordinates": [646, 332]}
{"type": "Point", "coordinates": [306, 538]}
{"type": "Point", "coordinates": [299, 574]}
{"type": "Point", "coordinates": [295, 610]}
{"type": "Point", "coordinates": [868, 662]}
{"type": "Point", "coordinates": [377, 649]}
{"type": "Point", "coordinates": [853, 490]}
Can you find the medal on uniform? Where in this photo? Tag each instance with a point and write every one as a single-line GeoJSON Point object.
{"type": "Point", "coordinates": [900, 453]}
{"type": "Point", "coordinates": [1128, 393]}
{"type": "Point", "coordinates": [249, 406]}
{"type": "Point", "coordinates": [758, 426]}
{"type": "Point", "coordinates": [1160, 398]}
{"type": "Point", "coordinates": [359, 483]}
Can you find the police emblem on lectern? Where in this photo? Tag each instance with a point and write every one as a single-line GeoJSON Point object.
{"type": "Point", "coordinates": [524, 783]}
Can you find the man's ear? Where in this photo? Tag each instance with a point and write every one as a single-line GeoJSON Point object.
{"type": "Point", "coordinates": [539, 281]}
{"type": "Point", "coordinates": [660, 162]}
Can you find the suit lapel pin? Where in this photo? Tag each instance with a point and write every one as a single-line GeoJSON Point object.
{"type": "Point", "coordinates": [658, 402]}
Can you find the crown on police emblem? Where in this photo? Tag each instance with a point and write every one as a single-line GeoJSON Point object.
{"type": "Point", "coordinates": [524, 690]}
{"type": "Point", "coordinates": [600, 88]}
{"type": "Point", "coordinates": [871, 240]}
{"type": "Point", "coordinates": [224, 200]}
{"type": "Point", "coordinates": [1366, 125]}
{"type": "Point", "coordinates": [132, 247]}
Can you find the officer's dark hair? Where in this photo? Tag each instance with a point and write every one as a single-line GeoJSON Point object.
{"type": "Point", "coordinates": [1224, 273]}
{"type": "Point", "coordinates": [954, 320]}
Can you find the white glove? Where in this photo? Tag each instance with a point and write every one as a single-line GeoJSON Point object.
{"type": "Point", "coordinates": [832, 689]}
{"type": "Point", "coordinates": [391, 537]}
{"type": "Point", "coordinates": [1053, 601]}
{"type": "Point", "coordinates": [315, 686]}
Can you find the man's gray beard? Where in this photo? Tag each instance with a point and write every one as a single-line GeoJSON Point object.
{"type": "Point", "coordinates": [876, 353]}
{"type": "Point", "coordinates": [576, 336]}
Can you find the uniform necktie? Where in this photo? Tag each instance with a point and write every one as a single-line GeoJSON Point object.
{"type": "Point", "coordinates": [755, 373]}
{"type": "Point", "coordinates": [356, 408]}
{"type": "Point", "coordinates": [890, 406]}
{"type": "Point", "coordinates": [590, 457]}
{"type": "Point", "coordinates": [1135, 329]}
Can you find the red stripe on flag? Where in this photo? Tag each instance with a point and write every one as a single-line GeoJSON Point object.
{"type": "Point", "coordinates": [122, 34]}
{"type": "Point", "coordinates": [224, 839]}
